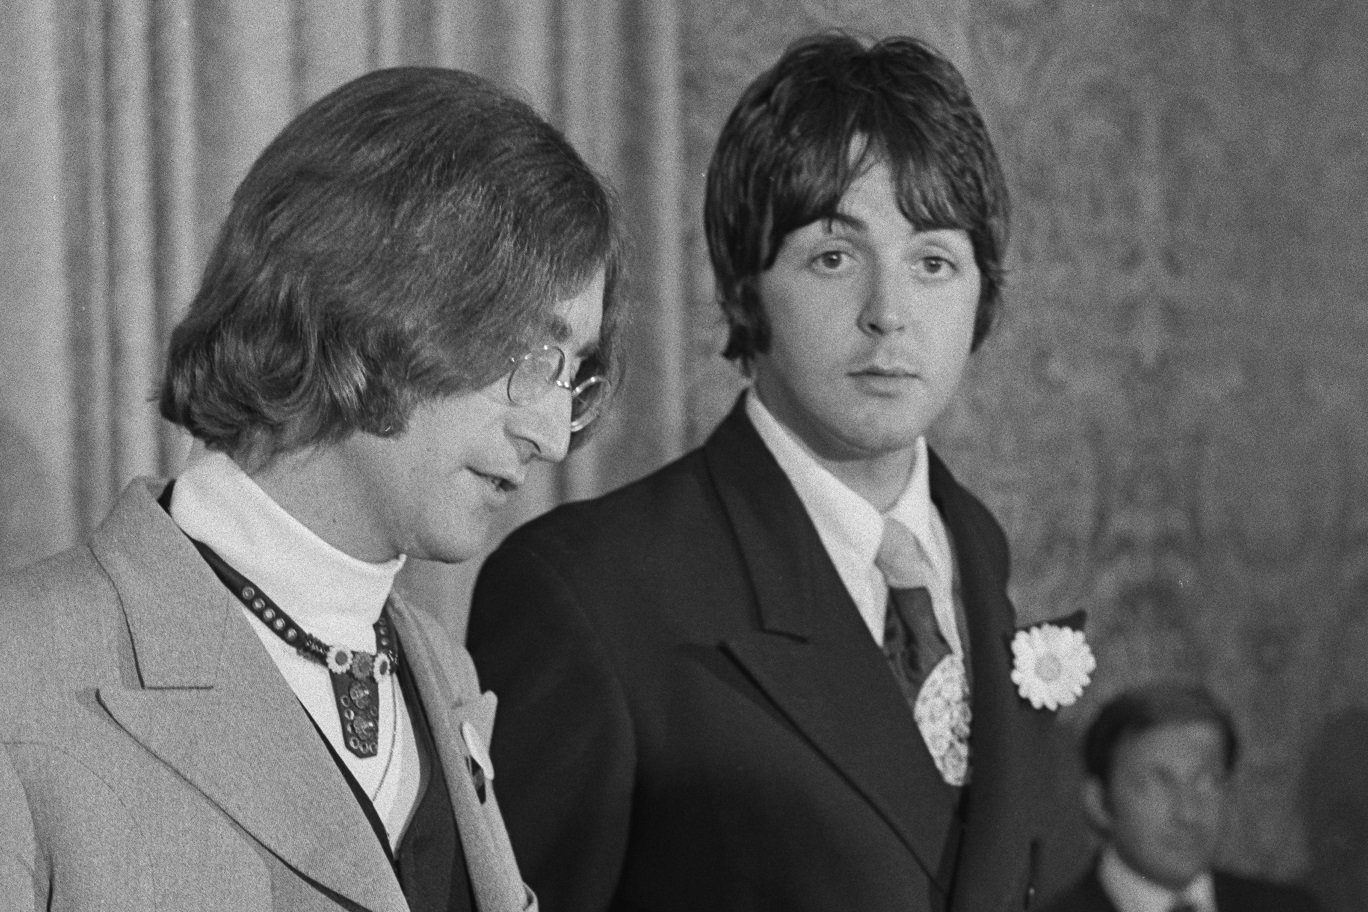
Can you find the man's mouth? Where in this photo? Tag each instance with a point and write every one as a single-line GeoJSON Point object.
{"type": "Point", "coordinates": [499, 482]}
{"type": "Point", "coordinates": [891, 372]}
{"type": "Point", "coordinates": [886, 369]}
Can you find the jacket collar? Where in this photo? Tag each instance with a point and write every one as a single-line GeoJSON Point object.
{"type": "Point", "coordinates": [208, 701]}
{"type": "Point", "coordinates": [211, 705]}
{"type": "Point", "coordinates": [817, 661]}
{"type": "Point", "coordinates": [814, 656]}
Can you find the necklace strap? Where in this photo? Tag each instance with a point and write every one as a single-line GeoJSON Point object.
{"type": "Point", "coordinates": [354, 673]}
{"type": "Point", "coordinates": [336, 658]}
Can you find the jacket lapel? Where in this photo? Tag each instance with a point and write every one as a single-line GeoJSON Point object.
{"type": "Point", "coordinates": [462, 720]}
{"type": "Point", "coordinates": [210, 704]}
{"type": "Point", "coordinates": [813, 655]}
{"type": "Point", "coordinates": [1006, 743]}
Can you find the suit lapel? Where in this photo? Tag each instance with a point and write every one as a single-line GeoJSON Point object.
{"type": "Point", "coordinates": [813, 656]}
{"type": "Point", "coordinates": [459, 715]}
{"type": "Point", "coordinates": [1006, 743]}
{"type": "Point", "coordinates": [212, 706]}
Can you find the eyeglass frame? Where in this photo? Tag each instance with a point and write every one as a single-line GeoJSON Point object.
{"type": "Point", "coordinates": [545, 383]}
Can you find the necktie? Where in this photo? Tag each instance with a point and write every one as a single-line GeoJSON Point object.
{"type": "Point", "coordinates": [913, 643]}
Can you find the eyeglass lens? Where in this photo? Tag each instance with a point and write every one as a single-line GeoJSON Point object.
{"type": "Point", "coordinates": [533, 373]}
{"type": "Point", "coordinates": [538, 370]}
{"type": "Point", "coordinates": [586, 399]}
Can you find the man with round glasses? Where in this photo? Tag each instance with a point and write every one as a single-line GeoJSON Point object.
{"type": "Point", "coordinates": [744, 700]}
{"type": "Point", "coordinates": [219, 702]}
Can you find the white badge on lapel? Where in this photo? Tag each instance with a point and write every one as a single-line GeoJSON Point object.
{"type": "Point", "coordinates": [477, 759]}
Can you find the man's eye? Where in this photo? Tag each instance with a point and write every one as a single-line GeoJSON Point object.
{"type": "Point", "coordinates": [936, 265]}
{"type": "Point", "coordinates": [830, 259]}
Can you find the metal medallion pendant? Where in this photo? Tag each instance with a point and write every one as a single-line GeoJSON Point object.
{"type": "Point", "coordinates": [356, 688]}
{"type": "Point", "coordinates": [358, 709]}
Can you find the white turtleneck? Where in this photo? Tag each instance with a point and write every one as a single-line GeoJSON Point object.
{"type": "Point", "coordinates": [326, 592]}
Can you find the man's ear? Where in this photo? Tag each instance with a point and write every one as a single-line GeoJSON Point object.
{"type": "Point", "coordinates": [1096, 805]}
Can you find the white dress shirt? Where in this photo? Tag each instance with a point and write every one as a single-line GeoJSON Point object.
{"type": "Point", "coordinates": [850, 527]}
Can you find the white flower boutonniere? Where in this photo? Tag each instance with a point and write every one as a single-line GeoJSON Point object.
{"type": "Point", "coordinates": [1051, 665]}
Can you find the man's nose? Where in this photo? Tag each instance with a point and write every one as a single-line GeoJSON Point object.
{"type": "Point", "coordinates": [885, 307]}
{"type": "Point", "coordinates": [544, 424]}
{"type": "Point", "coordinates": [1194, 804]}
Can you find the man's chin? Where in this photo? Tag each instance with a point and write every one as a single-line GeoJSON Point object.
{"type": "Point", "coordinates": [455, 550]}
{"type": "Point", "coordinates": [1172, 870]}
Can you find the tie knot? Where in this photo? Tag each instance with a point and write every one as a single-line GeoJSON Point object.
{"type": "Point", "coordinates": [901, 558]}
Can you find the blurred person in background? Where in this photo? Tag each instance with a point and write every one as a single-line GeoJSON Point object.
{"type": "Point", "coordinates": [1158, 764]}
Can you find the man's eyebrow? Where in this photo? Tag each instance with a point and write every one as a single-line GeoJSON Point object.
{"type": "Point", "coordinates": [842, 219]}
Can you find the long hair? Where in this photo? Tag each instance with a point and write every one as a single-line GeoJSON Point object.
{"type": "Point", "coordinates": [398, 241]}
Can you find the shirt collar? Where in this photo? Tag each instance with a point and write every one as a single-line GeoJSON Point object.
{"type": "Point", "coordinates": [843, 518]}
{"type": "Point", "coordinates": [850, 528]}
{"type": "Point", "coordinates": [327, 592]}
{"type": "Point", "coordinates": [850, 519]}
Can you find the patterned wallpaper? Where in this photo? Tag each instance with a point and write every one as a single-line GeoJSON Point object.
{"type": "Point", "coordinates": [1169, 420]}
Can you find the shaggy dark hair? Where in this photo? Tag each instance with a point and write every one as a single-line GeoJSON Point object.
{"type": "Point", "coordinates": [1143, 708]}
{"type": "Point", "coordinates": [399, 241]}
{"type": "Point", "coordinates": [809, 126]}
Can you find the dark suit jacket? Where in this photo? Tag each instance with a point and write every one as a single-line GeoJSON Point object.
{"type": "Point", "coordinates": [1234, 893]}
{"type": "Point", "coordinates": [712, 726]}
{"type": "Point", "coordinates": [152, 757]}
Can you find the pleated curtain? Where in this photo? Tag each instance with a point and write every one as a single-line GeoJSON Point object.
{"type": "Point", "coordinates": [127, 124]}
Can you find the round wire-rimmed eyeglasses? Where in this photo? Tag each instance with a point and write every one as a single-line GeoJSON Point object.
{"type": "Point", "coordinates": [539, 370]}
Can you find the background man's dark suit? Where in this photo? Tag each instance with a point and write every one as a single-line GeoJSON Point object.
{"type": "Point", "coordinates": [1233, 894]}
{"type": "Point", "coordinates": [712, 725]}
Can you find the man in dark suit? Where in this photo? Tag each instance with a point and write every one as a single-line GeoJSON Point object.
{"type": "Point", "coordinates": [1158, 761]}
{"type": "Point", "coordinates": [746, 700]}
{"type": "Point", "coordinates": [218, 702]}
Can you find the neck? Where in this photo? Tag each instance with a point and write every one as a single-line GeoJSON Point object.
{"type": "Point", "coordinates": [315, 486]}
{"type": "Point", "coordinates": [1120, 873]}
{"type": "Point", "coordinates": [880, 481]}
{"type": "Point", "coordinates": [324, 589]}
{"type": "Point", "coordinates": [880, 478]}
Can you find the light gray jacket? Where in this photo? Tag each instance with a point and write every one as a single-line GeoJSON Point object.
{"type": "Point", "coordinates": [152, 757]}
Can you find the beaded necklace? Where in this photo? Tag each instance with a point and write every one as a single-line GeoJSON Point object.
{"type": "Point", "coordinates": [354, 674]}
